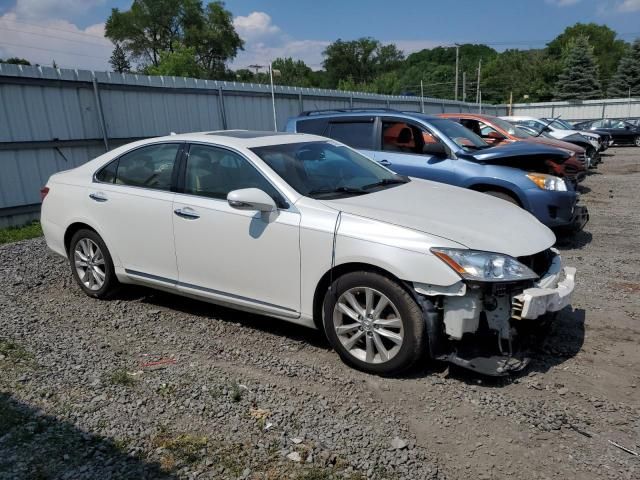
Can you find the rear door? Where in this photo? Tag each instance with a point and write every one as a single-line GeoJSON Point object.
{"type": "Point", "coordinates": [356, 131]}
{"type": "Point", "coordinates": [130, 200]}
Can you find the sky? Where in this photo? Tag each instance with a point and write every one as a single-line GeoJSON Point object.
{"type": "Point", "coordinates": [71, 32]}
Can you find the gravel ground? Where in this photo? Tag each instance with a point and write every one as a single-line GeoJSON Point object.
{"type": "Point", "coordinates": [150, 385]}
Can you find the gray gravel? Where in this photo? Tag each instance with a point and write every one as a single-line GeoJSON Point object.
{"type": "Point", "coordinates": [150, 385]}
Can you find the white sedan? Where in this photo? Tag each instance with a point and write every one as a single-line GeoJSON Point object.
{"type": "Point", "coordinates": [305, 229]}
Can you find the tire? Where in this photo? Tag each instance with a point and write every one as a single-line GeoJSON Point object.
{"type": "Point", "coordinates": [637, 141]}
{"type": "Point", "coordinates": [504, 196]}
{"type": "Point", "coordinates": [91, 264]}
{"type": "Point", "coordinates": [362, 344]}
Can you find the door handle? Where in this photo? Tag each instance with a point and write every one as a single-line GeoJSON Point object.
{"type": "Point", "coordinates": [98, 197]}
{"type": "Point", "coordinates": [386, 163]}
{"type": "Point", "coordinates": [187, 213]}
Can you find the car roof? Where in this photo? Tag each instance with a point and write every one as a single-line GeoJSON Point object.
{"type": "Point", "coordinates": [240, 138]}
{"type": "Point", "coordinates": [479, 116]}
{"type": "Point", "coordinates": [519, 117]}
{"type": "Point", "coordinates": [312, 115]}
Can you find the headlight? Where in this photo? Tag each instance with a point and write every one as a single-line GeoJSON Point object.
{"type": "Point", "coordinates": [484, 266]}
{"type": "Point", "coordinates": [548, 182]}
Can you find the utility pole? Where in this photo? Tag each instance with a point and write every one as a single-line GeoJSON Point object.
{"type": "Point", "coordinates": [421, 96]}
{"type": "Point", "coordinates": [629, 113]}
{"type": "Point", "coordinates": [478, 84]}
{"type": "Point", "coordinates": [455, 95]}
{"type": "Point", "coordinates": [273, 99]}
{"type": "Point", "coordinates": [464, 86]}
{"type": "Point", "coordinates": [511, 103]}
{"type": "Point", "coordinates": [479, 101]}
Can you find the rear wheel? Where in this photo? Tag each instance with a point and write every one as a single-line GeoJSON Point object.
{"type": "Point", "coordinates": [91, 264]}
{"type": "Point", "coordinates": [504, 196]}
{"type": "Point", "coordinates": [637, 141]}
{"type": "Point", "coordinates": [373, 323]}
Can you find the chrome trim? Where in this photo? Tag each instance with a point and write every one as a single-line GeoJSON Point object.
{"type": "Point", "coordinates": [285, 310]}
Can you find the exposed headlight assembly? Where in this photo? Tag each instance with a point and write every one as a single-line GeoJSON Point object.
{"type": "Point", "coordinates": [484, 266]}
{"type": "Point", "coordinates": [548, 182]}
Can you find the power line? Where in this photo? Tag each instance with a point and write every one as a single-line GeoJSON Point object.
{"type": "Point", "coordinates": [54, 28]}
{"type": "Point", "coordinates": [82, 42]}
{"type": "Point", "coordinates": [51, 50]}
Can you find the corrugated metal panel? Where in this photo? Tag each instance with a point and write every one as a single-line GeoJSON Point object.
{"type": "Point", "coordinates": [586, 110]}
{"type": "Point", "coordinates": [42, 104]}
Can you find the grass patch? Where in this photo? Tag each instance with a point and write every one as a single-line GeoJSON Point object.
{"type": "Point", "coordinates": [121, 377]}
{"type": "Point", "coordinates": [13, 351]}
{"type": "Point", "coordinates": [236, 392]}
{"type": "Point", "coordinates": [15, 234]}
{"type": "Point", "coordinates": [184, 447]}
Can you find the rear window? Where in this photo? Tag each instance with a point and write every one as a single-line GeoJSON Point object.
{"type": "Point", "coordinates": [354, 134]}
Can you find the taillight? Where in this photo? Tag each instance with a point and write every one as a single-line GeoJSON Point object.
{"type": "Point", "coordinates": [43, 192]}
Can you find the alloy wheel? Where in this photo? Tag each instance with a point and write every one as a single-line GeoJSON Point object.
{"type": "Point", "coordinates": [638, 141]}
{"type": "Point", "coordinates": [89, 263]}
{"type": "Point", "coordinates": [368, 325]}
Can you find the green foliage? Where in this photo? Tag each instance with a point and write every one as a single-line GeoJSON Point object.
{"type": "Point", "coordinates": [359, 60]}
{"type": "Point", "coordinates": [119, 61]}
{"type": "Point", "coordinates": [181, 62]}
{"type": "Point", "coordinates": [16, 61]}
{"type": "Point", "coordinates": [120, 376]}
{"type": "Point", "coordinates": [579, 77]}
{"type": "Point", "coordinates": [628, 74]}
{"type": "Point", "coordinates": [606, 48]}
{"type": "Point", "coordinates": [154, 32]}
{"type": "Point", "coordinates": [15, 234]}
{"type": "Point", "coordinates": [292, 72]}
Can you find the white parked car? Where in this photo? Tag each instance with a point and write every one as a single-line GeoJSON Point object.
{"type": "Point", "coordinates": [556, 129]}
{"type": "Point", "coordinates": [305, 229]}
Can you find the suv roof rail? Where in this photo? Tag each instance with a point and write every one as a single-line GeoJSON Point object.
{"type": "Point", "coordinates": [308, 113]}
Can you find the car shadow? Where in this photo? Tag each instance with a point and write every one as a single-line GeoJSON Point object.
{"type": "Point", "coordinates": [573, 241]}
{"type": "Point", "coordinates": [34, 445]}
{"type": "Point", "coordinates": [212, 311]}
{"type": "Point", "coordinates": [583, 189]}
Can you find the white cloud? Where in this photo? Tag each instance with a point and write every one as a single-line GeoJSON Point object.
{"type": "Point", "coordinates": [255, 25]}
{"type": "Point", "coordinates": [628, 6]}
{"type": "Point", "coordinates": [45, 9]}
{"type": "Point", "coordinates": [43, 40]}
{"type": "Point", "coordinates": [562, 3]}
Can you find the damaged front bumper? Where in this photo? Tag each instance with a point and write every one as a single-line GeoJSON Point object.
{"type": "Point", "coordinates": [476, 324]}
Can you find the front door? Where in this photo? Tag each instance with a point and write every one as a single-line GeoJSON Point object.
{"type": "Point", "coordinates": [243, 257]}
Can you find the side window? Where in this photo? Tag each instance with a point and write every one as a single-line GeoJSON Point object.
{"type": "Point", "coordinates": [149, 167]}
{"type": "Point", "coordinates": [108, 173]}
{"type": "Point", "coordinates": [214, 172]}
{"type": "Point", "coordinates": [354, 134]}
{"type": "Point", "coordinates": [399, 136]}
{"type": "Point", "coordinates": [316, 127]}
{"type": "Point", "coordinates": [599, 124]}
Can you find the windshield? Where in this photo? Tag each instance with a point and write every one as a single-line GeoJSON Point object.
{"type": "Point", "coordinates": [461, 136]}
{"type": "Point", "coordinates": [510, 128]}
{"type": "Point", "coordinates": [324, 170]}
{"type": "Point", "coordinates": [560, 124]}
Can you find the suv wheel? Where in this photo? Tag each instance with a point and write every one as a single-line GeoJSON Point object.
{"type": "Point", "coordinates": [373, 323]}
{"type": "Point", "coordinates": [91, 264]}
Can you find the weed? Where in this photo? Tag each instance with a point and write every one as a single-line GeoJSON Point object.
{"type": "Point", "coordinates": [166, 390]}
{"type": "Point", "coordinates": [184, 447]}
{"type": "Point", "coordinates": [236, 392]}
{"type": "Point", "coordinates": [13, 351]}
{"type": "Point", "coordinates": [121, 377]}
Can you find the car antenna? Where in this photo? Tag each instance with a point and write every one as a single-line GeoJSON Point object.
{"type": "Point", "coordinates": [550, 122]}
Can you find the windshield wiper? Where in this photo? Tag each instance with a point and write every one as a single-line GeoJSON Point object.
{"type": "Point", "coordinates": [385, 181]}
{"type": "Point", "coordinates": [324, 191]}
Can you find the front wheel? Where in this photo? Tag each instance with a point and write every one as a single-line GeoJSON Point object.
{"type": "Point", "coordinates": [91, 264]}
{"type": "Point", "coordinates": [637, 141]}
{"type": "Point", "coordinates": [373, 323]}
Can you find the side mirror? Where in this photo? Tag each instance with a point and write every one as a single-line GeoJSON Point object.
{"type": "Point", "coordinates": [251, 199]}
{"type": "Point", "coordinates": [436, 149]}
{"type": "Point", "coordinates": [495, 136]}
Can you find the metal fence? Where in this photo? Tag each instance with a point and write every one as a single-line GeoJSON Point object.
{"type": "Point", "coordinates": [55, 119]}
{"type": "Point", "coordinates": [582, 110]}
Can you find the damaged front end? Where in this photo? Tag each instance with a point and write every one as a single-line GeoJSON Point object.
{"type": "Point", "coordinates": [475, 322]}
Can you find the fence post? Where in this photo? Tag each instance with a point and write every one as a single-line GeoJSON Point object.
{"type": "Point", "coordinates": [99, 113]}
{"type": "Point", "coordinates": [300, 102]}
{"type": "Point", "coordinates": [604, 107]}
{"type": "Point", "coordinates": [223, 114]}
{"type": "Point", "coordinates": [351, 101]}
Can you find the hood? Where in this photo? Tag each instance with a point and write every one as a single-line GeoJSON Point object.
{"type": "Point", "coordinates": [552, 142]}
{"type": "Point", "coordinates": [475, 220]}
{"type": "Point", "coordinates": [517, 154]}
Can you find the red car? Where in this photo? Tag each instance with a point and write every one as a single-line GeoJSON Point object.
{"type": "Point", "coordinates": [496, 131]}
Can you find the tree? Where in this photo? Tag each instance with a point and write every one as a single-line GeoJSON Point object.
{"type": "Point", "coordinates": [181, 62]}
{"type": "Point", "coordinates": [608, 50]}
{"type": "Point", "coordinates": [579, 77]}
{"type": "Point", "coordinates": [292, 72]}
{"type": "Point", "coordinates": [628, 74]}
{"type": "Point", "coordinates": [151, 30]}
{"type": "Point", "coordinates": [119, 61]}
{"type": "Point", "coordinates": [359, 60]}
{"type": "Point", "coordinates": [16, 61]}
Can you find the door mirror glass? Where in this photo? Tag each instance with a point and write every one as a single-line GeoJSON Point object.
{"type": "Point", "coordinates": [251, 199]}
{"type": "Point", "coordinates": [436, 149]}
